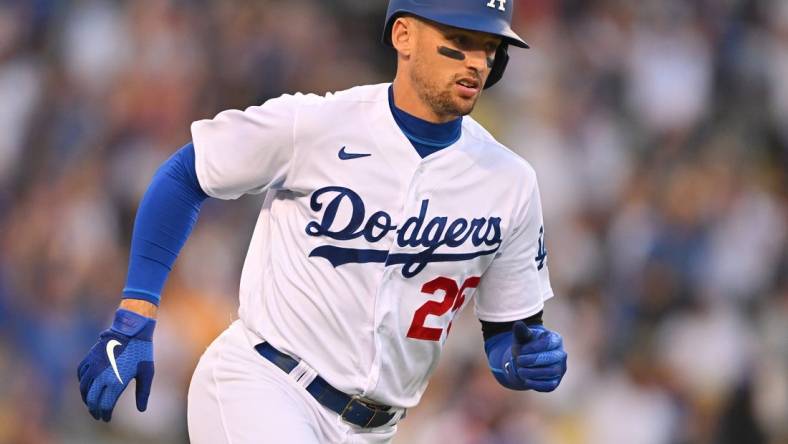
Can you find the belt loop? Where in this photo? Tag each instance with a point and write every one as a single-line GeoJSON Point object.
{"type": "Point", "coordinates": [352, 409]}
{"type": "Point", "coordinates": [303, 374]}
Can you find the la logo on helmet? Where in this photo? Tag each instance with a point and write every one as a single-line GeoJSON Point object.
{"type": "Point", "coordinates": [501, 4]}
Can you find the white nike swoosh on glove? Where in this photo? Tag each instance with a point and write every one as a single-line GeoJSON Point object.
{"type": "Point", "coordinates": [111, 355]}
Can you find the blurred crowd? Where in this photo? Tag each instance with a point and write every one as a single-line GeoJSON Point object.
{"type": "Point", "coordinates": [658, 130]}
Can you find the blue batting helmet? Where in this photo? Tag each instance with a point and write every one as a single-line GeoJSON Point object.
{"type": "Point", "coordinates": [490, 16]}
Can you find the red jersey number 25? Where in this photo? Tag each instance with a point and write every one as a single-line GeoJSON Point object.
{"type": "Point", "coordinates": [452, 300]}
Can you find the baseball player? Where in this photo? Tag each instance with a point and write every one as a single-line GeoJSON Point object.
{"type": "Point", "coordinates": [387, 211]}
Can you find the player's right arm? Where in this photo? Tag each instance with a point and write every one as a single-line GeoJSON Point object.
{"type": "Point", "coordinates": [238, 152]}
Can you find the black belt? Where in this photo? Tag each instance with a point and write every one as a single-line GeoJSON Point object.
{"type": "Point", "coordinates": [351, 408]}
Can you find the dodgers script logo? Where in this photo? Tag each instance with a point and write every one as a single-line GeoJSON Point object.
{"type": "Point", "coordinates": [417, 231]}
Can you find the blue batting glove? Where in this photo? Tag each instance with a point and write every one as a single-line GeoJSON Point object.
{"type": "Point", "coordinates": [536, 360]}
{"type": "Point", "coordinates": [122, 353]}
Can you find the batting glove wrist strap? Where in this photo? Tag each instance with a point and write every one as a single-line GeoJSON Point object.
{"type": "Point", "coordinates": [133, 324]}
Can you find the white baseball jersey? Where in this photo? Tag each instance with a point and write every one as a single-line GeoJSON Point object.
{"type": "Point", "coordinates": [363, 251]}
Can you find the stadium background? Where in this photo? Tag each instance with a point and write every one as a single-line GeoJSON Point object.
{"type": "Point", "coordinates": [659, 130]}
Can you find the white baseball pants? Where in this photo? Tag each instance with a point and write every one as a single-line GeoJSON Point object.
{"type": "Point", "coordinates": [237, 396]}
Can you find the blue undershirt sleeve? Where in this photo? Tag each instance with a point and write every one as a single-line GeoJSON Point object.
{"type": "Point", "coordinates": [165, 219]}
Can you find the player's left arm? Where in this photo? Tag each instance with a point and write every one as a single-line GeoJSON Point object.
{"type": "Point", "coordinates": [522, 353]}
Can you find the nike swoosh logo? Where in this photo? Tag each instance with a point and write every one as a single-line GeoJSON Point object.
{"type": "Point", "coordinates": [111, 355]}
{"type": "Point", "coordinates": [344, 155]}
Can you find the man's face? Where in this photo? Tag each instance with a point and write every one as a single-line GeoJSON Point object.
{"type": "Point", "coordinates": [448, 85]}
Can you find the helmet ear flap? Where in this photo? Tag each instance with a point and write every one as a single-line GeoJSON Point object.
{"type": "Point", "coordinates": [499, 66]}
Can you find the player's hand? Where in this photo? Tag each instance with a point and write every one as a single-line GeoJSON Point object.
{"type": "Point", "coordinates": [537, 360]}
{"type": "Point", "coordinates": [122, 353]}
